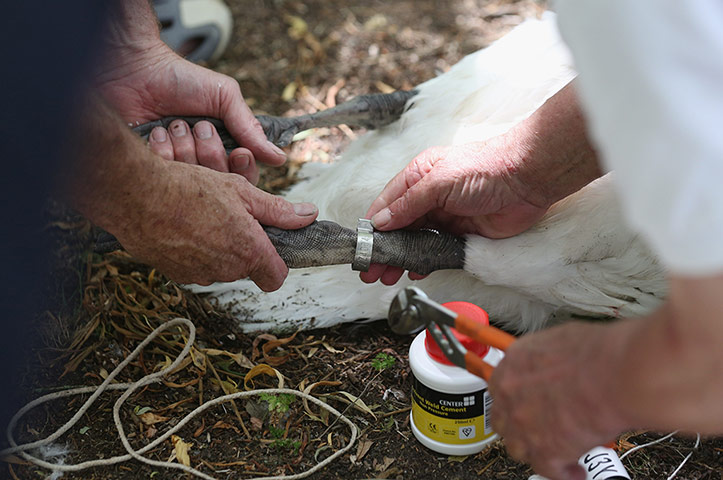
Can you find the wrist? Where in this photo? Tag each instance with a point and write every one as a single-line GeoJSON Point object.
{"type": "Point", "coordinates": [550, 151]}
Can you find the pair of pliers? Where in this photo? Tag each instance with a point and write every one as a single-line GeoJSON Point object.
{"type": "Point", "coordinates": [412, 309]}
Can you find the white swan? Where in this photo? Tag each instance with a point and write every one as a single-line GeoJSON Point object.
{"type": "Point", "coordinates": [580, 260]}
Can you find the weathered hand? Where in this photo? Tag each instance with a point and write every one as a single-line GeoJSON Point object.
{"type": "Point", "coordinates": [553, 398]}
{"type": "Point", "coordinates": [201, 226]}
{"type": "Point", "coordinates": [461, 189]}
{"type": "Point", "coordinates": [144, 80]}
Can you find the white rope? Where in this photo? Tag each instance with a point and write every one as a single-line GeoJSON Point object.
{"type": "Point", "coordinates": [662, 439]}
{"type": "Point", "coordinates": [132, 387]}
{"type": "Point", "coordinates": [639, 447]}
{"type": "Point", "coordinates": [695, 447]}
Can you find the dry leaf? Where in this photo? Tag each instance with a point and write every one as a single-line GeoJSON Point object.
{"type": "Point", "coordinates": [254, 346]}
{"type": "Point", "coordinates": [181, 448]}
{"type": "Point", "coordinates": [257, 424]}
{"type": "Point", "coordinates": [226, 426]}
{"type": "Point", "coordinates": [199, 359]}
{"type": "Point", "coordinates": [272, 342]}
{"type": "Point", "coordinates": [150, 418]}
{"type": "Point", "coordinates": [307, 390]}
{"type": "Point", "coordinates": [384, 88]}
{"type": "Point", "coordinates": [357, 403]}
{"type": "Point", "coordinates": [227, 386]}
{"type": "Point", "coordinates": [200, 429]}
{"type": "Point", "coordinates": [332, 349]}
{"type": "Point", "coordinates": [262, 369]}
{"type": "Point", "coordinates": [239, 357]}
{"type": "Point", "coordinates": [376, 22]}
{"type": "Point", "coordinates": [386, 463]}
{"type": "Point", "coordinates": [362, 450]}
{"type": "Point", "coordinates": [289, 91]}
{"type": "Point", "coordinates": [297, 26]}
{"type": "Point", "coordinates": [457, 458]}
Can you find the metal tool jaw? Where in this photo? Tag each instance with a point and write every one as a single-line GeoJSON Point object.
{"type": "Point", "coordinates": [411, 310]}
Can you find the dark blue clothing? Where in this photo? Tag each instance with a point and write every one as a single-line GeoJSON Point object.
{"type": "Point", "coordinates": [46, 49]}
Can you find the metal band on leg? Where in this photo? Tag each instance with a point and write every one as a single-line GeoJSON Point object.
{"type": "Point", "coordinates": [364, 245]}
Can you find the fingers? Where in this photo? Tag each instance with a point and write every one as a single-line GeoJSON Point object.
{"type": "Point", "coordinates": [209, 147]}
{"type": "Point", "coordinates": [176, 143]}
{"type": "Point", "coordinates": [160, 143]}
{"type": "Point", "coordinates": [388, 275]}
{"type": "Point", "coordinates": [409, 195]}
{"type": "Point", "coordinates": [241, 162]}
{"type": "Point", "coordinates": [243, 125]}
{"type": "Point", "coordinates": [201, 145]}
{"type": "Point", "coordinates": [413, 204]}
{"type": "Point", "coordinates": [272, 210]}
{"type": "Point", "coordinates": [184, 146]}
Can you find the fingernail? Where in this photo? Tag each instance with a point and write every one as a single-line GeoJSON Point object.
{"type": "Point", "coordinates": [178, 130]}
{"type": "Point", "coordinates": [241, 162]}
{"type": "Point", "coordinates": [203, 131]}
{"type": "Point", "coordinates": [304, 209]}
{"type": "Point", "coordinates": [277, 150]}
{"type": "Point", "coordinates": [159, 134]}
{"type": "Point", "coordinates": [382, 218]}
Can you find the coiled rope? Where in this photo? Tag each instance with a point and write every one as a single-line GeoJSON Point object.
{"type": "Point", "coordinates": [129, 388]}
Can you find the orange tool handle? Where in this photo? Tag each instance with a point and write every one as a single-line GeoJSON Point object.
{"type": "Point", "coordinates": [477, 366]}
{"type": "Point", "coordinates": [485, 334]}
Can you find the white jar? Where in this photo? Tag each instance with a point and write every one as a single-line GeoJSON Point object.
{"type": "Point", "coordinates": [450, 406]}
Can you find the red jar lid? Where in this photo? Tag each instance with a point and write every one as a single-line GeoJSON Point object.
{"type": "Point", "coordinates": [469, 310]}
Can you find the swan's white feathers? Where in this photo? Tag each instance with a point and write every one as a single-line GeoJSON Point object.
{"type": "Point", "coordinates": [579, 261]}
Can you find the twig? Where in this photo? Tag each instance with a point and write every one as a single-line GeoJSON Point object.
{"type": "Point", "coordinates": [352, 403]}
{"type": "Point", "coordinates": [233, 403]}
{"type": "Point", "coordinates": [401, 410]}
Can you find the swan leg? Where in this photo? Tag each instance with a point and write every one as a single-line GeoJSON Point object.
{"type": "Point", "coordinates": [368, 111]}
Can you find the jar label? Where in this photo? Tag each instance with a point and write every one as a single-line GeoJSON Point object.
{"type": "Point", "coordinates": [451, 418]}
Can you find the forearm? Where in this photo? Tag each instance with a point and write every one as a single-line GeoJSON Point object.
{"type": "Point", "coordinates": [669, 365]}
{"type": "Point", "coordinates": [133, 21]}
{"type": "Point", "coordinates": [132, 33]}
{"type": "Point", "coordinates": [554, 155]}
{"type": "Point", "coordinates": [111, 170]}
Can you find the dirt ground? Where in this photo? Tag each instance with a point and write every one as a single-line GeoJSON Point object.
{"type": "Point", "coordinates": [289, 56]}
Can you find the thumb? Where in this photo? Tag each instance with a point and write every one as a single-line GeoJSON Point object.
{"type": "Point", "coordinates": [274, 211]}
{"type": "Point", "coordinates": [244, 127]}
{"type": "Point", "coordinates": [413, 204]}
